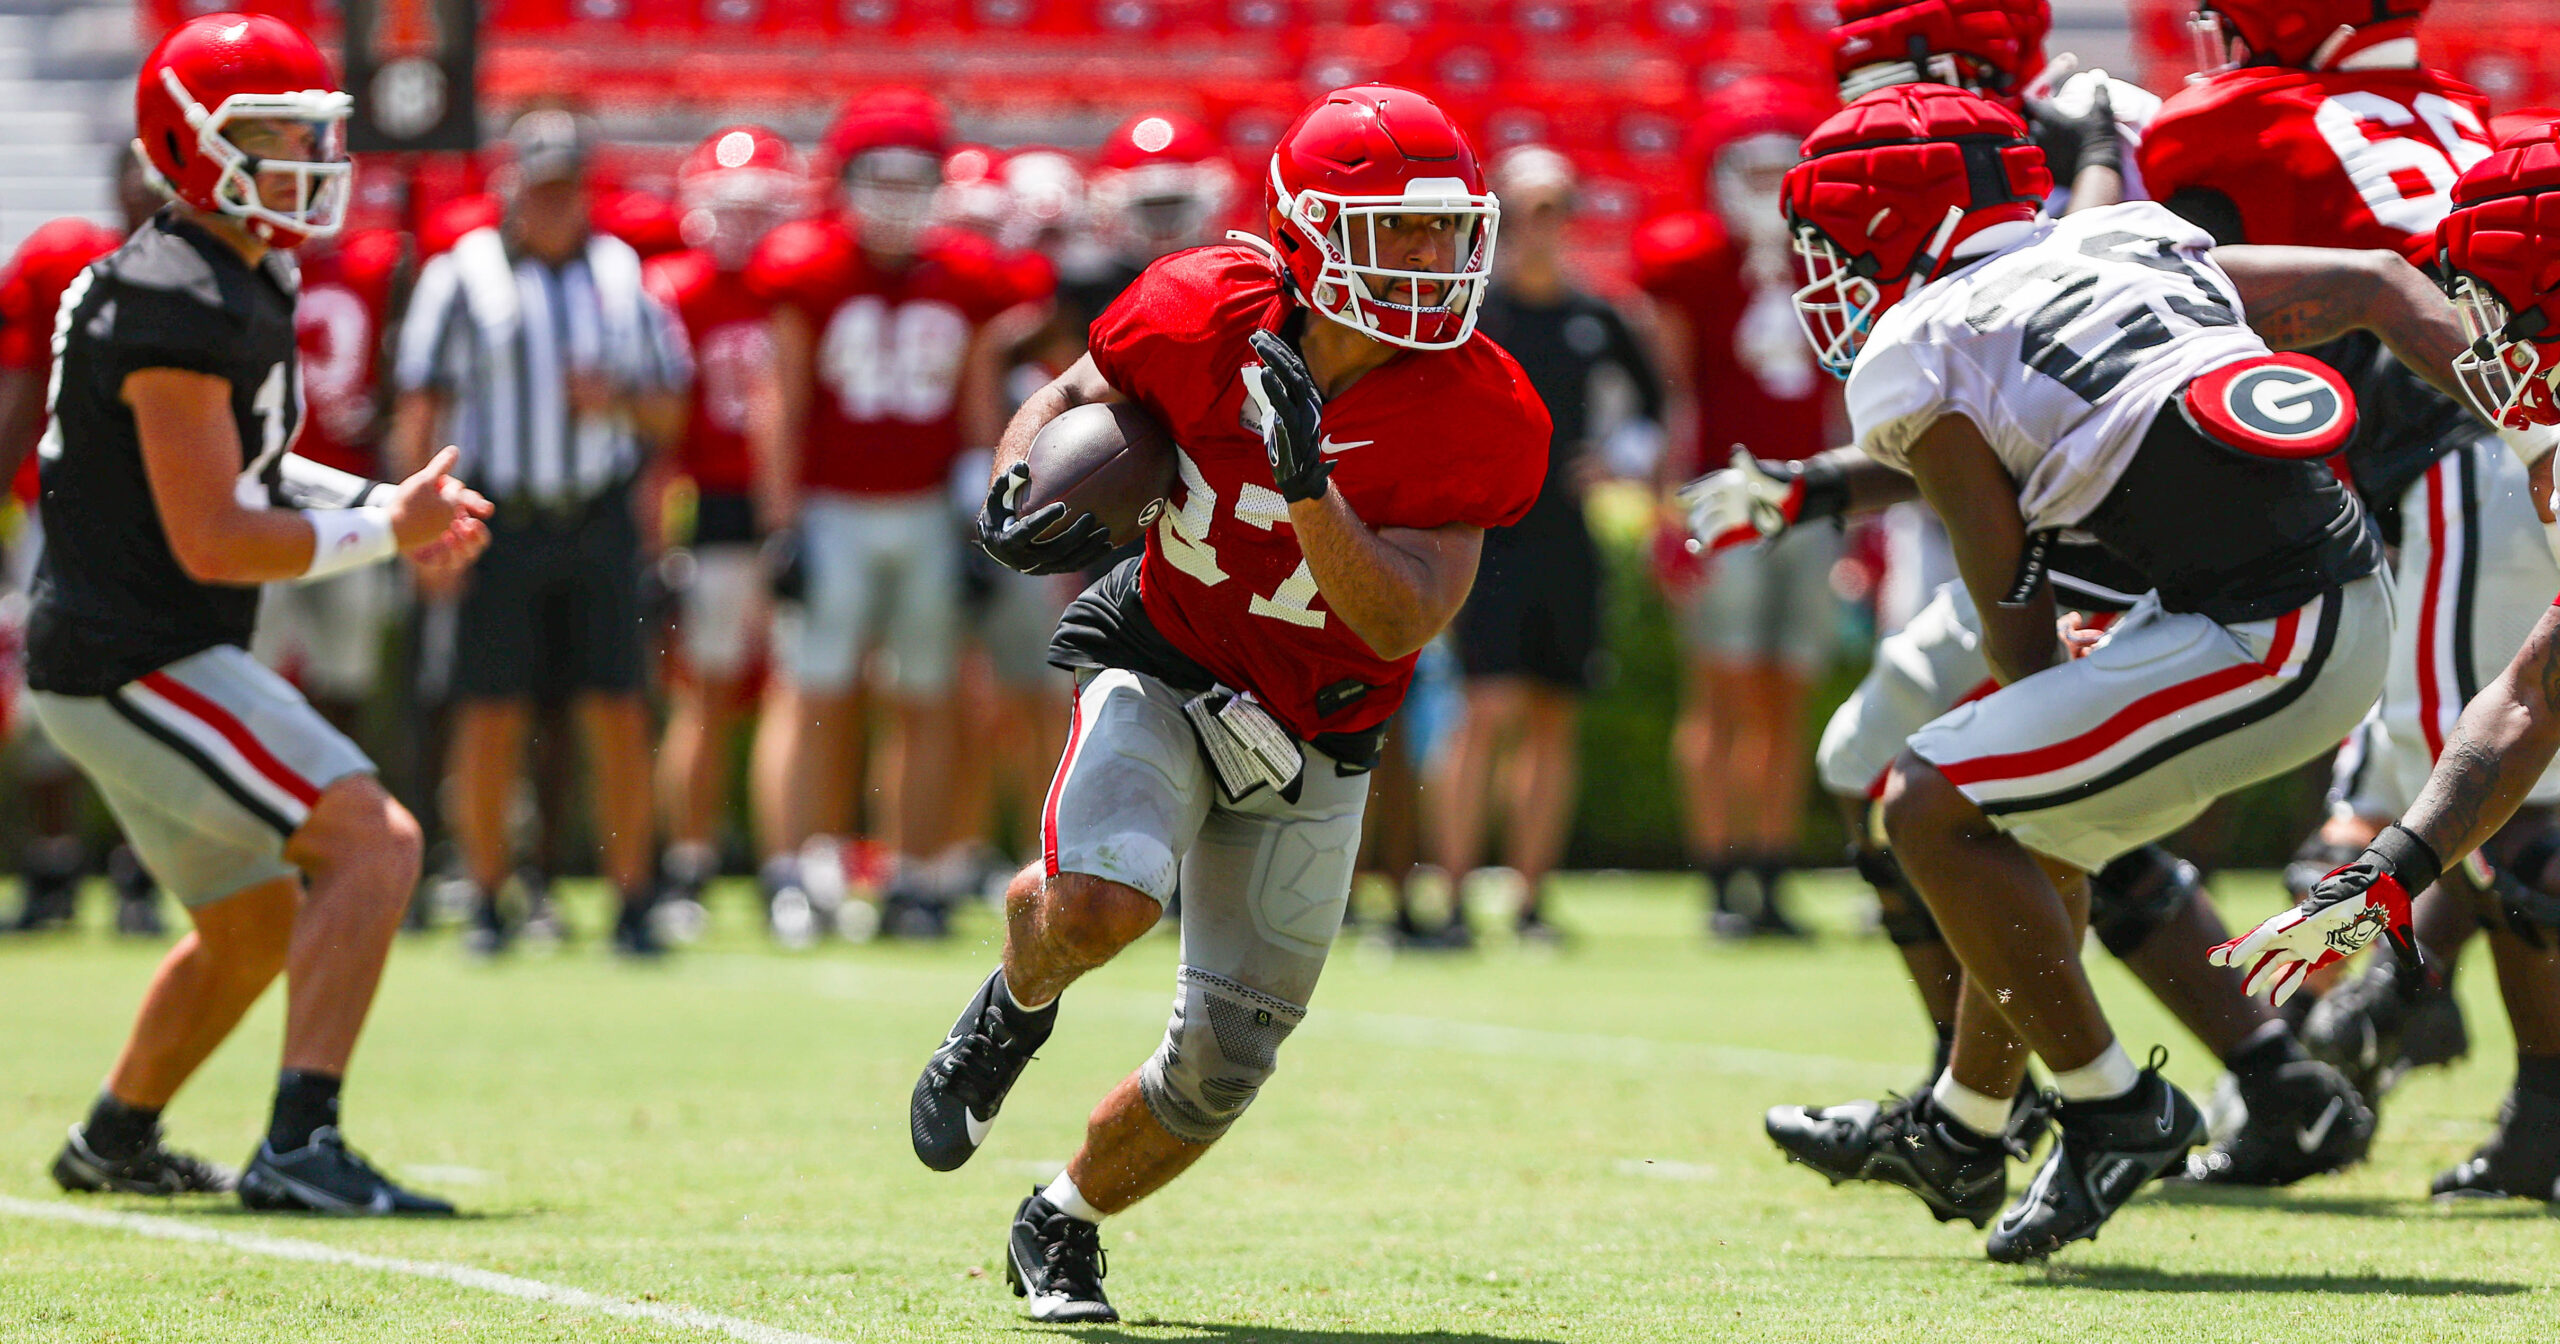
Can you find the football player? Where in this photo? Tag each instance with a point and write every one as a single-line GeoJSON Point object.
{"type": "Point", "coordinates": [1758, 626]}
{"type": "Point", "coordinates": [2100, 375]}
{"type": "Point", "coordinates": [2320, 128]}
{"type": "Point", "coordinates": [170, 493]}
{"type": "Point", "coordinates": [1346, 437]}
{"type": "Point", "coordinates": [31, 285]}
{"type": "Point", "coordinates": [2500, 259]}
{"type": "Point", "coordinates": [738, 185]}
{"type": "Point", "coordinates": [2149, 906]}
{"type": "Point", "coordinates": [885, 370]}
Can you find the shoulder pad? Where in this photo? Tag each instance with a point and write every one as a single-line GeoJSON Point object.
{"type": "Point", "coordinates": [797, 256]}
{"type": "Point", "coordinates": [155, 258]}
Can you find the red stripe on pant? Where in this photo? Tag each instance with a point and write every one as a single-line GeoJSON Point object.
{"type": "Point", "coordinates": [217, 718]}
{"type": "Point", "coordinates": [2131, 719]}
{"type": "Point", "coordinates": [1058, 784]}
{"type": "Point", "coordinates": [2430, 692]}
{"type": "Point", "coordinates": [2093, 621]}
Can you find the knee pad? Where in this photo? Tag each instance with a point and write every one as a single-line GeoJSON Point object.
{"type": "Point", "coordinates": [1222, 1044]}
{"type": "Point", "coordinates": [2132, 897]}
{"type": "Point", "coordinates": [1900, 910]}
{"type": "Point", "coordinates": [2512, 899]}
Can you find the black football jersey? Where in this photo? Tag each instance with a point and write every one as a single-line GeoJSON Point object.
{"type": "Point", "coordinates": [111, 601]}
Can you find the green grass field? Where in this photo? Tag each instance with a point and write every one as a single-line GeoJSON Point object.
{"type": "Point", "coordinates": [1503, 1147]}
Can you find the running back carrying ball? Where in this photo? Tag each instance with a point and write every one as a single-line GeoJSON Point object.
{"type": "Point", "coordinates": [1109, 460]}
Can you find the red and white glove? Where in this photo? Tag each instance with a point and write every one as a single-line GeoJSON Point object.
{"type": "Point", "coordinates": [2342, 915]}
{"type": "Point", "coordinates": [1752, 500]}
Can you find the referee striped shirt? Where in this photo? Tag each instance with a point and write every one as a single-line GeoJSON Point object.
{"type": "Point", "coordinates": [501, 334]}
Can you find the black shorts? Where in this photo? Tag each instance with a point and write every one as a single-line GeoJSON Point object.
{"type": "Point", "coordinates": [1535, 611]}
{"type": "Point", "coordinates": [553, 605]}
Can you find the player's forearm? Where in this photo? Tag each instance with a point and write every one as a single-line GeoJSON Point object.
{"type": "Point", "coordinates": [2094, 186]}
{"type": "Point", "coordinates": [244, 547]}
{"type": "Point", "coordinates": [2300, 297]}
{"type": "Point", "coordinates": [1396, 598]}
{"type": "Point", "coordinates": [1872, 484]}
{"type": "Point", "coordinates": [1036, 411]}
{"type": "Point", "coordinates": [2499, 749]}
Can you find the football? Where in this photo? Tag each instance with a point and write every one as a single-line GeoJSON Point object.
{"type": "Point", "coordinates": [1111, 460]}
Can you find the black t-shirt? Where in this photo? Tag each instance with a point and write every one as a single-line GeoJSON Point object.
{"type": "Point", "coordinates": [1561, 346]}
{"type": "Point", "coordinates": [2403, 424]}
{"type": "Point", "coordinates": [111, 601]}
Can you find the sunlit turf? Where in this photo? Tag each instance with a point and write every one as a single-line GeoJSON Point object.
{"type": "Point", "coordinates": [1503, 1146]}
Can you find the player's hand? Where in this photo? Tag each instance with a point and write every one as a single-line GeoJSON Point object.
{"type": "Point", "coordinates": [2080, 137]}
{"type": "Point", "coordinates": [2077, 639]}
{"type": "Point", "coordinates": [1292, 434]}
{"type": "Point", "coordinates": [428, 506]}
{"type": "Point", "coordinates": [1753, 499]}
{"type": "Point", "coordinates": [1023, 544]}
{"type": "Point", "coordinates": [2342, 916]}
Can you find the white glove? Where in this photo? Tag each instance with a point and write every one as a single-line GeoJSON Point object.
{"type": "Point", "coordinates": [2350, 907]}
{"type": "Point", "coordinates": [1741, 504]}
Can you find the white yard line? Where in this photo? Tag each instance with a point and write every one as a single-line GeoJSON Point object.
{"type": "Point", "coordinates": [487, 1281]}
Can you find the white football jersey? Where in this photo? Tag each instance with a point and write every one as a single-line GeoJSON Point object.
{"type": "Point", "coordinates": [2060, 348]}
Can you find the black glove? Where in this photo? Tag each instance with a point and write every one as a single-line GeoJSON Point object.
{"type": "Point", "coordinates": [2071, 143]}
{"type": "Point", "coordinates": [2347, 910]}
{"type": "Point", "coordinates": [786, 565]}
{"type": "Point", "coordinates": [1017, 543]}
{"type": "Point", "coordinates": [1293, 434]}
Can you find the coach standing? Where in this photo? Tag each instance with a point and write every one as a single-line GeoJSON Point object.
{"type": "Point", "coordinates": [534, 346]}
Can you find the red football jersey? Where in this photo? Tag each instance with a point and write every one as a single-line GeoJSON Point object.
{"type": "Point", "coordinates": [890, 349]}
{"type": "Point", "coordinates": [30, 294]}
{"type": "Point", "coordinates": [2336, 158]}
{"type": "Point", "coordinates": [1749, 367]}
{"type": "Point", "coordinates": [338, 329]}
{"type": "Point", "coordinates": [729, 327]}
{"type": "Point", "coordinates": [1432, 438]}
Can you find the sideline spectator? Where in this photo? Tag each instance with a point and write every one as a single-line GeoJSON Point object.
{"type": "Point", "coordinates": [535, 347]}
{"type": "Point", "coordinates": [1529, 637]}
{"type": "Point", "coordinates": [1759, 625]}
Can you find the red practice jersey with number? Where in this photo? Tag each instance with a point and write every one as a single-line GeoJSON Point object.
{"type": "Point", "coordinates": [30, 294]}
{"type": "Point", "coordinates": [1430, 439]}
{"type": "Point", "coordinates": [337, 326]}
{"type": "Point", "coordinates": [1754, 378]}
{"type": "Point", "coordinates": [729, 326]}
{"type": "Point", "coordinates": [890, 346]}
{"type": "Point", "coordinates": [2335, 158]}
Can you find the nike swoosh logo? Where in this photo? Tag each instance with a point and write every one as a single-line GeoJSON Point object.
{"type": "Point", "coordinates": [2312, 1135]}
{"type": "Point", "coordinates": [1328, 447]}
{"type": "Point", "coordinates": [978, 1128]}
{"type": "Point", "coordinates": [2168, 1112]}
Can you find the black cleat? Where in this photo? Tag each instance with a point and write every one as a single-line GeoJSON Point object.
{"type": "Point", "coordinates": [1057, 1263]}
{"type": "Point", "coordinates": [137, 895]}
{"type": "Point", "coordinates": [2374, 1034]}
{"type": "Point", "coordinates": [2305, 1121]}
{"type": "Point", "coordinates": [2099, 1160]}
{"type": "Point", "coordinates": [964, 1084]}
{"type": "Point", "coordinates": [2520, 1161]}
{"type": "Point", "coordinates": [155, 1170]}
{"type": "Point", "coordinates": [1903, 1142]}
{"type": "Point", "coordinates": [912, 912]}
{"type": "Point", "coordinates": [326, 1176]}
{"type": "Point", "coordinates": [635, 935]}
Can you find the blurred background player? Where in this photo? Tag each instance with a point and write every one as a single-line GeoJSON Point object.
{"type": "Point", "coordinates": [885, 371]}
{"type": "Point", "coordinates": [1759, 624]}
{"type": "Point", "coordinates": [738, 185]}
{"type": "Point", "coordinates": [54, 859]}
{"type": "Point", "coordinates": [1529, 638]}
{"type": "Point", "coordinates": [2316, 126]}
{"type": "Point", "coordinates": [536, 347]}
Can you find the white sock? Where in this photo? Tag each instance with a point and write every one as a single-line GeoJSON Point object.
{"type": "Point", "coordinates": [1065, 1198]}
{"type": "Point", "coordinates": [2111, 1074]}
{"type": "Point", "coordinates": [1006, 987]}
{"type": "Point", "coordinates": [1985, 1116]}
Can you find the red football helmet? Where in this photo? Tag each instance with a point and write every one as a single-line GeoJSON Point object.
{"type": "Point", "coordinates": [1992, 47]}
{"type": "Point", "coordinates": [1745, 138]}
{"type": "Point", "coordinates": [886, 151]}
{"type": "Point", "coordinates": [2498, 255]}
{"type": "Point", "coordinates": [1891, 189]}
{"type": "Point", "coordinates": [734, 187]}
{"type": "Point", "coordinates": [2302, 34]}
{"type": "Point", "coordinates": [1373, 153]}
{"type": "Point", "coordinates": [210, 75]}
{"type": "Point", "coordinates": [1161, 184]}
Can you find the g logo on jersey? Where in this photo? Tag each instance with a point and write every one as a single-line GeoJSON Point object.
{"type": "Point", "coordinates": [2282, 406]}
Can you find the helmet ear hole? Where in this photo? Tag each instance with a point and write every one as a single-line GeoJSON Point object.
{"type": "Point", "coordinates": [177, 155]}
